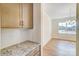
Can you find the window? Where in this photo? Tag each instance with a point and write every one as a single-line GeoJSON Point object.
{"type": "Point", "coordinates": [68, 27]}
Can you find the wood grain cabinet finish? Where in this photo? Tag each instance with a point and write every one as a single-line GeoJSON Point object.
{"type": "Point", "coordinates": [77, 10]}
{"type": "Point", "coordinates": [14, 15]}
{"type": "Point", "coordinates": [0, 16]}
{"type": "Point", "coordinates": [10, 15]}
{"type": "Point", "coordinates": [27, 15]}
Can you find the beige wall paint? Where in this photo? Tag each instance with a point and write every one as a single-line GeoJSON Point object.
{"type": "Point", "coordinates": [11, 36]}
{"type": "Point", "coordinates": [77, 38]}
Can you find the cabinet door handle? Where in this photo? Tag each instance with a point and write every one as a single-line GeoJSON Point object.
{"type": "Point", "coordinates": [21, 23]}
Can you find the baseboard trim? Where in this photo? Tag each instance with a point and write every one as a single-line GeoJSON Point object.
{"type": "Point", "coordinates": [63, 39]}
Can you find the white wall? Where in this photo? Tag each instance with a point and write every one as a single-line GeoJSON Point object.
{"type": "Point", "coordinates": [13, 36]}
{"type": "Point", "coordinates": [57, 12]}
{"type": "Point", "coordinates": [17, 35]}
{"type": "Point", "coordinates": [45, 26]}
{"type": "Point", "coordinates": [36, 33]}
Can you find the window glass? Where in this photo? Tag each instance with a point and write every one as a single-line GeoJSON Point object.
{"type": "Point", "coordinates": [68, 27]}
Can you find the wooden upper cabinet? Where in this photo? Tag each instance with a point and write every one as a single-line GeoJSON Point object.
{"type": "Point", "coordinates": [27, 15]}
{"type": "Point", "coordinates": [14, 15]}
{"type": "Point", "coordinates": [0, 16]}
{"type": "Point", "coordinates": [10, 15]}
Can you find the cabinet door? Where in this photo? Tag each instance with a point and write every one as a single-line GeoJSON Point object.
{"type": "Point", "coordinates": [10, 15]}
{"type": "Point", "coordinates": [27, 15]}
{"type": "Point", "coordinates": [0, 16]}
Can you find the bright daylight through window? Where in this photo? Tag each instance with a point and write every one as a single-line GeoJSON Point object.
{"type": "Point", "coordinates": [68, 27]}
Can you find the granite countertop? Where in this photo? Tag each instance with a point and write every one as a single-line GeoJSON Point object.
{"type": "Point", "coordinates": [20, 49]}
